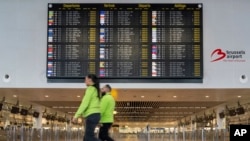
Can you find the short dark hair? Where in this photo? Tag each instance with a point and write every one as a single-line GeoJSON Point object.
{"type": "Point", "coordinates": [109, 87]}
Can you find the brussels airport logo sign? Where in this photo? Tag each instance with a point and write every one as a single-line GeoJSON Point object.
{"type": "Point", "coordinates": [228, 55]}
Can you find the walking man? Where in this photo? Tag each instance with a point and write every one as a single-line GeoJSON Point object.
{"type": "Point", "coordinates": [107, 106]}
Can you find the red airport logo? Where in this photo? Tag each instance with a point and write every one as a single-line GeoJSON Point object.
{"type": "Point", "coordinates": [228, 56]}
{"type": "Point", "coordinates": [218, 54]}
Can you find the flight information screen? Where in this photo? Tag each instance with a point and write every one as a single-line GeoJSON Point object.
{"type": "Point", "coordinates": [125, 42]}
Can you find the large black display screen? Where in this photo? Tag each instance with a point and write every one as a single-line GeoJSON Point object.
{"type": "Point", "coordinates": [125, 42]}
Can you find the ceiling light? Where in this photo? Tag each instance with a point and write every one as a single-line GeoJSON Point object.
{"type": "Point", "coordinates": [239, 96]}
{"type": "Point", "coordinates": [14, 95]}
{"type": "Point", "coordinates": [142, 96]}
{"type": "Point", "coordinates": [207, 96]}
{"type": "Point", "coordinates": [46, 96]}
{"type": "Point", "coordinates": [174, 96]}
{"type": "Point", "coordinates": [78, 96]}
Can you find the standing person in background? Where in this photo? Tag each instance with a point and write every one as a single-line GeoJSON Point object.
{"type": "Point", "coordinates": [107, 113]}
{"type": "Point", "coordinates": [90, 107]}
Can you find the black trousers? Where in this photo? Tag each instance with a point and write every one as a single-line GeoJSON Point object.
{"type": "Point", "coordinates": [104, 132]}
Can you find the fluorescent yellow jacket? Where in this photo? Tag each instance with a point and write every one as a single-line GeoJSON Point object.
{"type": "Point", "coordinates": [90, 103]}
{"type": "Point", "coordinates": [107, 108]}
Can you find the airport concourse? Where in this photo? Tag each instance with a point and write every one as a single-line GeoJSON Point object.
{"type": "Point", "coordinates": [74, 70]}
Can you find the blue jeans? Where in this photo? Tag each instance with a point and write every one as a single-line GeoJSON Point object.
{"type": "Point", "coordinates": [91, 122]}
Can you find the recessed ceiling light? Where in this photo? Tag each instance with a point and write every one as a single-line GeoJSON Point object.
{"type": "Point", "coordinates": [142, 96]}
{"type": "Point", "coordinates": [174, 96]}
{"type": "Point", "coordinates": [207, 96]}
{"type": "Point", "coordinates": [14, 95]}
{"type": "Point", "coordinates": [239, 96]}
{"type": "Point", "coordinates": [46, 96]}
{"type": "Point", "coordinates": [78, 96]}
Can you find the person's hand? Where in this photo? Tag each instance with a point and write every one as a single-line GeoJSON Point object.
{"type": "Point", "coordinates": [74, 120]}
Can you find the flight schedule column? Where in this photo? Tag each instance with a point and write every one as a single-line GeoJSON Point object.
{"type": "Point", "coordinates": [106, 38]}
{"type": "Point", "coordinates": [176, 45]}
{"type": "Point", "coordinates": [71, 41]}
{"type": "Point", "coordinates": [145, 61]}
{"type": "Point", "coordinates": [123, 42]}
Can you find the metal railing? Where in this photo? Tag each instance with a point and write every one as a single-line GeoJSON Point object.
{"type": "Point", "coordinates": [196, 135]}
{"type": "Point", "coordinates": [72, 133]}
{"type": "Point", "coordinates": [23, 133]}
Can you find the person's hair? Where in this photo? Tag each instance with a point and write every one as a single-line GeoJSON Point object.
{"type": "Point", "coordinates": [96, 82]}
{"type": "Point", "coordinates": [109, 87]}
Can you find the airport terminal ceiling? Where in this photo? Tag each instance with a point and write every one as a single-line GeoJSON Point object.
{"type": "Point", "coordinates": [133, 105]}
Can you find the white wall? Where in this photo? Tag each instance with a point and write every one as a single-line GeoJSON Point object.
{"type": "Point", "coordinates": [23, 37]}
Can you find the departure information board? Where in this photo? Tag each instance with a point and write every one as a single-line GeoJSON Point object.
{"type": "Point", "coordinates": [125, 42]}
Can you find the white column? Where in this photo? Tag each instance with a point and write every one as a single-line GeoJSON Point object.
{"type": "Point", "coordinates": [37, 122]}
{"type": "Point", "coordinates": [221, 122]}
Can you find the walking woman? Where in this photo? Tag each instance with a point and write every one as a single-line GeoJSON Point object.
{"type": "Point", "coordinates": [90, 107]}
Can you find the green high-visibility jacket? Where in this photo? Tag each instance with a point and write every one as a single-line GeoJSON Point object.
{"type": "Point", "coordinates": [90, 103]}
{"type": "Point", "coordinates": [107, 108]}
